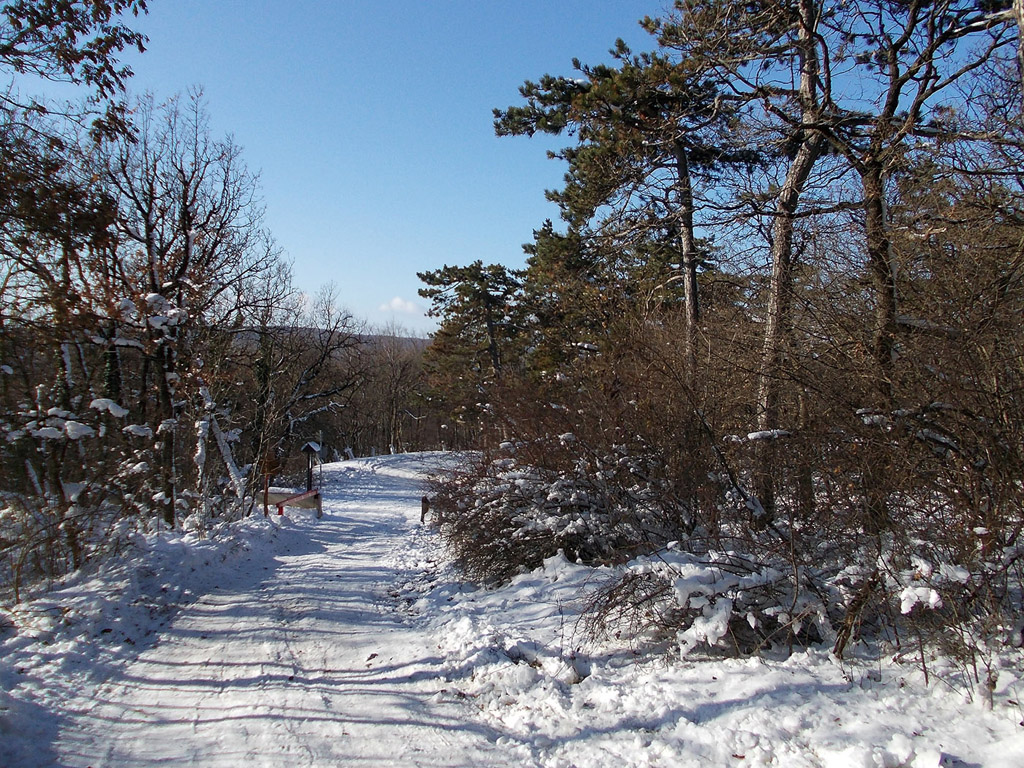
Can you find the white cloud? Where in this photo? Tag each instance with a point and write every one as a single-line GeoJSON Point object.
{"type": "Point", "coordinates": [401, 306]}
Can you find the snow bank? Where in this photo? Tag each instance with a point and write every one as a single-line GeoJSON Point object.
{"type": "Point", "coordinates": [518, 656]}
{"type": "Point", "coordinates": [67, 640]}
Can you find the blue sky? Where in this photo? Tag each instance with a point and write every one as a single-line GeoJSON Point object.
{"type": "Point", "coordinates": [370, 123]}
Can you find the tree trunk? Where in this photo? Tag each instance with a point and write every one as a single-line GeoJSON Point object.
{"type": "Point", "coordinates": [875, 473]}
{"type": "Point", "coordinates": [883, 279]}
{"type": "Point", "coordinates": [492, 342]}
{"type": "Point", "coordinates": [812, 146]}
{"type": "Point", "coordinates": [804, 471]}
{"type": "Point", "coordinates": [166, 429]}
{"type": "Point", "coordinates": [688, 259]}
{"type": "Point", "coordinates": [1018, 15]}
{"type": "Point", "coordinates": [778, 318]}
{"type": "Point", "coordinates": [112, 379]}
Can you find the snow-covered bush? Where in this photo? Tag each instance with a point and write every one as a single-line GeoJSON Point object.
{"type": "Point", "coordinates": [501, 515]}
{"type": "Point", "coordinates": [590, 459]}
{"type": "Point", "coordinates": [715, 600]}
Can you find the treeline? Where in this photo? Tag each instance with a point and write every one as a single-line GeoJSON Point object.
{"type": "Point", "coordinates": [156, 360]}
{"type": "Point", "coordinates": [772, 361]}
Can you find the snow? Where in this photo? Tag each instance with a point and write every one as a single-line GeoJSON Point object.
{"type": "Point", "coordinates": [121, 341]}
{"type": "Point", "coordinates": [954, 573]}
{"type": "Point", "coordinates": [710, 627]}
{"type": "Point", "coordinates": [351, 641]}
{"type": "Point", "coordinates": [768, 434]}
{"type": "Point", "coordinates": [75, 430]}
{"type": "Point", "coordinates": [106, 404]}
{"type": "Point", "coordinates": [911, 596]}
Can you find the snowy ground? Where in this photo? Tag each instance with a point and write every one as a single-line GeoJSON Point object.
{"type": "Point", "coordinates": [348, 641]}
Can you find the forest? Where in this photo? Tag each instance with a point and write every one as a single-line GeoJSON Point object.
{"type": "Point", "coordinates": [768, 364]}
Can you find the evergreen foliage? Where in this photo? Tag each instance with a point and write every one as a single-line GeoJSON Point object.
{"type": "Point", "coordinates": [470, 348]}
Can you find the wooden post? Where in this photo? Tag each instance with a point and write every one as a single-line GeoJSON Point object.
{"type": "Point", "coordinates": [311, 449]}
{"type": "Point", "coordinates": [270, 466]}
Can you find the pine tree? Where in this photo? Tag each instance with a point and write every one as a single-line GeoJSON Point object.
{"type": "Point", "coordinates": [647, 129]}
{"type": "Point", "coordinates": [472, 349]}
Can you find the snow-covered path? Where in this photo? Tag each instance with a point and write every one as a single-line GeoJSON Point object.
{"type": "Point", "coordinates": [297, 659]}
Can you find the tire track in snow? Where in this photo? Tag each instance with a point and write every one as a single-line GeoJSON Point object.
{"type": "Point", "coordinates": [298, 660]}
